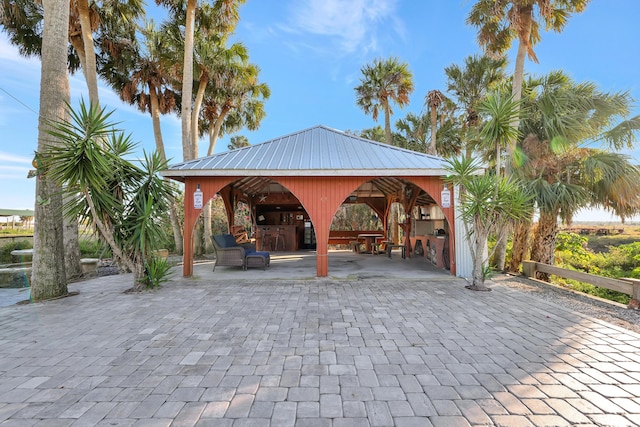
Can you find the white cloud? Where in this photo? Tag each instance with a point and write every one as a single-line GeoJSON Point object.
{"type": "Point", "coordinates": [351, 25]}
{"type": "Point", "coordinates": [9, 53]}
{"type": "Point", "coordinates": [12, 158]}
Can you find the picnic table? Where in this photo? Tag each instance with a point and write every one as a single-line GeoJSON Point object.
{"type": "Point", "coordinates": [370, 241]}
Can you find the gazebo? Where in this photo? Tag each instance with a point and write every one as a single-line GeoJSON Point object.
{"type": "Point", "coordinates": [306, 176]}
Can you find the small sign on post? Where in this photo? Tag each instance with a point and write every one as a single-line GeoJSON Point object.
{"type": "Point", "coordinates": [197, 198]}
{"type": "Point", "coordinates": [445, 197]}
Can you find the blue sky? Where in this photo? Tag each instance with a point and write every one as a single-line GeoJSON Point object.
{"type": "Point", "coordinates": [311, 53]}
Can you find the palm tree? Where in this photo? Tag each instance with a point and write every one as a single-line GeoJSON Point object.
{"type": "Point", "coordinates": [144, 80]}
{"type": "Point", "coordinates": [375, 133]}
{"type": "Point", "coordinates": [21, 20]}
{"type": "Point", "coordinates": [236, 101]}
{"type": "Point", "coordinates": [212, 59]}
{"type": "Point", "coordinates": [415, 131]}
{"type": "Point", "coordinates": [48, 278]}
{"type": "Point", "coordinates": [470, 86]}
{"type": "Point", "coordinates": [433, 100]}
{"type": "Point", "coordinates": [86, 20]}
{"type": "Point", "coordinates": [141, 76]}
{"type": "Point", "coordinates": [499, 22]}
{"type": "Point", "coordinates": [227, 13]}
{"type": "Point", "coordinates": [562, 172]}
{"type": "Point", "coordinates": [383, 82]}
{"type": "Point", "coordinates": [238, 141]}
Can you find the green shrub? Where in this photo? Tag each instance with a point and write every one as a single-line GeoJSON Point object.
{"type": "Point", "coordinates": [572, 251]}
{"type": "Point", "coordinates": [622, 261]}
{"type": "Point", "coordinates": [598, 292]}
{"type": "Point", "coordinates": [158, 272]}
{"type": "Point", "coordinates": [94, 248]}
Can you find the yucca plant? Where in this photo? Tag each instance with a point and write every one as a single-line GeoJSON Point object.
{"type": "Point", "coordinates": [487, 204]}
{"type": "Point", "coordinates": [126, 202]}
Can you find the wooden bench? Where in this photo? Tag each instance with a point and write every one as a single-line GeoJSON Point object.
{"type": "Point", "coordinates": [355, 245]}
{"type": "Point", "coordinates": [389, 246]}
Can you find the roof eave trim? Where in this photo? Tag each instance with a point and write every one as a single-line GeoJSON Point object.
{"type": "Point", "coordinates": [317, 172]}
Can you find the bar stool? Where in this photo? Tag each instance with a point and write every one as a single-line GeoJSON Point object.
{"type": "Point", "coordinates": [278, 237]}
{"type": "Point", "coordinates": [266, 238]}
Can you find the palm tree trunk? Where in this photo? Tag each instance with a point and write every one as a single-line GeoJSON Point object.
{"type": "Point", "coordinates": [195, 114]}
{"type": "Point", "coordinates": [479, 237]}
{"type": "Point", "coordinates": [48, 279]}
{"type": "Point", "coordinates": [434, 131]}
{"type": "Point", "coordinates": [500, 252]}
{"type": "Point", "coordinates": [208, 232]}
{"type": "Point", "coordinates": [197, 236]}
{"type": "Point", "coordinates": [157, 135]}
{"type": "Point", "coordinates": [71, 243]}
{"type": "Point", "coordinates": [155, 121]}
{"type": "Point", "coordinates": [176, 228]}
{"type": "Point", "coordinates": [214, 130]}
{"type": "Point", "coordinates": [387, 123]}
{"type": "Point", "coordinates": [518, 74]}
{"type": "Point", "coordinates": [395, 235]}
{"type": "Point", "coordinates": [520, 244]}
{"type": "Point", "coordinates": [189, 150]}
{"type": "Point", "coordinates": [213, 138]}
{"type": "Point", "coordinates": [78, 45]}
{"type": "Point", "coordinates": [544, 240]}
{"type": "Point", "coordinates": [516, 91]}
{"type": "Point", "coordinates": [139, 275]}
{"type": "Point", "coordinates": [90, 68]}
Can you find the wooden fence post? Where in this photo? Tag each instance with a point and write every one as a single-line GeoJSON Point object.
{"type": "Point", "coordinates": [529, 268]}
{"type": "Point", "coordinates": [635, 296]}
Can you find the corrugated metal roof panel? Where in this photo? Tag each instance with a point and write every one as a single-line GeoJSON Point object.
{"type": "Point", "coordinates": [316, 149]}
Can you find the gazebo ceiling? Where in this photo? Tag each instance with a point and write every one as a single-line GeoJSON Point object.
{"type": "Point", "coordinates": [377, 187]}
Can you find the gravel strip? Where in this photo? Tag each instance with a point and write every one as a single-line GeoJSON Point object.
{"type": "Point", "coordinates": [616, 314]}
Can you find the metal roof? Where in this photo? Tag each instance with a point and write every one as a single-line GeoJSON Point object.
{"type": "Point", "coordinates": [317, 151]}
{"type": "Point", "coordinates": [15, 212]}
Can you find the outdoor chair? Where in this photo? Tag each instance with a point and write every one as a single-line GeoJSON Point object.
{"type": "Point", "coordinates": [229, 253]}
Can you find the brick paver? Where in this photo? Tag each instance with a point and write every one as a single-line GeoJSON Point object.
{"type": "Point", "coordinates": [319, 352]}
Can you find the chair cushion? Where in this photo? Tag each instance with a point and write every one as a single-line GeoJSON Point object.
{"type": "Point", "coordinates": [230, 241]}
{"type": "Point", "coordinates": [219, 240]}
{"type": "Point", "coordinates": [225, 240]}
